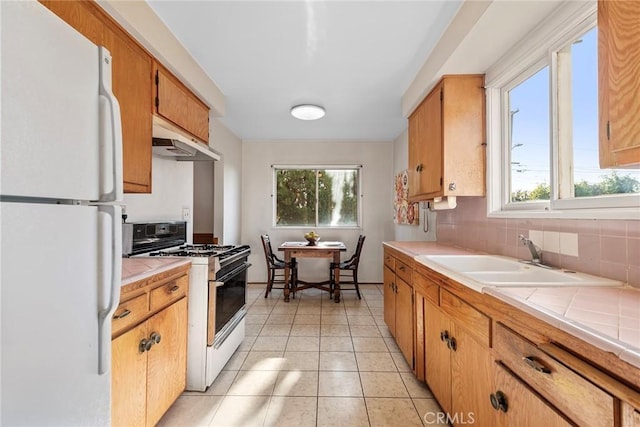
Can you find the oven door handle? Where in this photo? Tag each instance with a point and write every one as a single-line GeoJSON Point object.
{"type": "Point", "coordinates": [239, 269]}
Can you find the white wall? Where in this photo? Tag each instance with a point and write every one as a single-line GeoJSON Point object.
{"type": "Point", "coordinates": [403, 231]}
{"type": "Point", "coordinates": [377, 185]}
{"type": "Point", "coordinates": [171, 190]}
{"type": "Point", "coordinates": [227, 184]}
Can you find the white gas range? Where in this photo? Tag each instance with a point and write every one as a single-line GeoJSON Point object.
{"type": "Point", "coordinates": [216, 300]}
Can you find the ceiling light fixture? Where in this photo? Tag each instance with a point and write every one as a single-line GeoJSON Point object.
{"type": "Point", "coordinates": [307, 112]}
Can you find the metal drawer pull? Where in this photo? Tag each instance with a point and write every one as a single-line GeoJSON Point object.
{"type": "Point", "coordinates": [534, 364]}
{"type": "Point", "coordinates": [444, 336]}
{"type": "Point", "coordinates": [174, 289]}
{"type": "Point", "coordinates": [125, 313]}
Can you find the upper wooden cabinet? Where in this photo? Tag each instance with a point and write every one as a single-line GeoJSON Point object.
{"type": "Point", "coordinates": [131, 84]}
{"type": "Point", "coordinates": [447, 140]}
{"type": "Point", "coordinates": [619, 82]}
{"type": "Point", "coordinates": [179, 105]}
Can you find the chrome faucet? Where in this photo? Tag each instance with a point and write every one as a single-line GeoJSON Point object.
{"type": "Point", "coordinates": [536, 252]}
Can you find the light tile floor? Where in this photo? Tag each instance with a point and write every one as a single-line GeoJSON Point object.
{"type": "Point", "coordinates": [311, 362]}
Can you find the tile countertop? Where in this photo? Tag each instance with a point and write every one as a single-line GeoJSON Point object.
{"type": "Point", "coordinates": [606, 317]}
{"type": "Point", "coordinates": [134, 269]}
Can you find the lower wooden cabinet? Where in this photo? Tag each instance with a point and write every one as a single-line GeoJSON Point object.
{"type": "Point", "coordinates": [517, 405]}
{"type": "Point", "coordinates": [145, 383]}
{"type": "Point", "coordinates": [571, 394]}
{"type": "Point", "coordinates": [398, 310]}
{"type": "Point", "coordinates": [149, 350]}
{"type": "Point", "coordinates": [167, 360]}
{"type": "Point", "coordinates": [630, 416]}
{"type": "Point", "coordinates": [457, 368]}
{"type": "Point", "coordinates": [488, 363]}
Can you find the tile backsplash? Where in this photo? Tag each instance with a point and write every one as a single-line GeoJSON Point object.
{"type": "Point", "coordinates": [607, 248]}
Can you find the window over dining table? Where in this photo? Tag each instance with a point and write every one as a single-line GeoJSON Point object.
{"type": "Point", "coordinates": [317, 196]}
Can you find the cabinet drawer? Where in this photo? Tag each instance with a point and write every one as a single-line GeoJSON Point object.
{"type": "Point", "coordinates": [166, 294]}
{"type": "Point", "coordinates": [129, 313]}
{"type": "Point", "coordinates": [426, 287]}
{"type": "Point", "coordinates": [580, 400]}
{"type": "Point", "coordinates": [390, 261]}
{"type": "Point", "coordinates": [403, 271]}
{"type": "Point", "coordinates": [476, 323]}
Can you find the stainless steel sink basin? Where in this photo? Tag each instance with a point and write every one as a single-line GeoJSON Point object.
{"type": "Point", "coordinates": [478, 271]}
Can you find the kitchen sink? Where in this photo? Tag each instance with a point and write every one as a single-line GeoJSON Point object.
{"type": "Point", "coordinates": [478, 271]}
{"type": "Point", "coordinates": [465, 263]}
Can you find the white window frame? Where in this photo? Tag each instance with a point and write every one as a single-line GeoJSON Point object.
{"type": "Point", "coordinates": [274, 196]}
{"type": "Point", "coordinates": [531, 54]}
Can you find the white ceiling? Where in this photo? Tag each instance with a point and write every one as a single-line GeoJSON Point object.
{"type": "Point", "coordinates": [355, 58]}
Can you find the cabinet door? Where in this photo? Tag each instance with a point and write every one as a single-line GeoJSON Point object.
{"type": "Point", "coordinates": [198, 119]}
{"type": "Point", "coordinates": [419, 351]}
{"type": "Point", "coordinates": [404, 320]}
{"type": "Point", "coordinates": [129, 378]}
{"type": "Point", "coordinates": [464, 136]}
{"type": "Point", "coordinates": [619, 82]}
{"type": "Point", "coordinates": [167, 360]}
{"type": "Point", "coordinates": [132, 86]}
{"type": "Point", "coordinates": [523, 408]}
{"type": "Point", "coordinates": [431, 175]}
{"type": "Point", "coordinates": [471, 377]}
{"type": "Point", "coordinates": [438, 357]}
{"type": "Point", "coordinates": [425, 146]}
{"type": "Point", "coordinates": [630, 416]}
{"type": "Point", "coordinates": [390, 300]}
{"type": "Point", "coordinates": [172, 102]}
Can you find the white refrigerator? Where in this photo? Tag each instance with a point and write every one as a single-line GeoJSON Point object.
{"type": "Point", "coordinates": [60, 236]}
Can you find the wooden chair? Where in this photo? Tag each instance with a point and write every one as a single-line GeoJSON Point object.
{"type": "Point", "coordinates": [276, 267]}
{"type": "Point", "coordinates": [350, 268]}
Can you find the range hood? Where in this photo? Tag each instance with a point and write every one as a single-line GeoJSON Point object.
{"type": "Point", "coordinates": [169, 142]}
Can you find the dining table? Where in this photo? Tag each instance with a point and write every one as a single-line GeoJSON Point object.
{"type": "Point", "coordinates": [303, 249]}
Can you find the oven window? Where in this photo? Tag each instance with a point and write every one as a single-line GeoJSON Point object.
{"type": "Point", "coordinates": [230, 298]}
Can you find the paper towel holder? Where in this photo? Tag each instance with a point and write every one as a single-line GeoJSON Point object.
{"type": "Point", "coordinates": [442, 203]}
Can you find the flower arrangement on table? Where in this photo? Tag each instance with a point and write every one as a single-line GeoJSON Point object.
{"type": "Point", "coordinates": [312, 237]}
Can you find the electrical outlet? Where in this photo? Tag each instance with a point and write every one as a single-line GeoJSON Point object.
{"type": "Point", "coordinates": [186, 214]}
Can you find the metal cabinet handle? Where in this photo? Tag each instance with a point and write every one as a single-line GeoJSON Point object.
{"type": "Point", "coordinates": [452, 344]}
{"type": "Point", "coordinates": [125, 313]}
{"type": "Point", "coordinates": [535, 365]}
{"type": "Point", "coordinates": [145, 345]}
{"type": "Point", "coordinates": [499, 401]}
{"type": "Point", "coordinates": [444, 336]}
{"type": "Point", "coordinates": [174, 289]}
{"type": "Point", "coordinates": [155, 338]}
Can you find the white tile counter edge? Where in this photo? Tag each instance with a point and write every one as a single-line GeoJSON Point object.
{"type": "Point", "coordinates": [622, 350]}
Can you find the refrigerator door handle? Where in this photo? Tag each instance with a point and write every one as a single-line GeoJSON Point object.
{"type": "Point", "coordinates": [110, 242]}
{"type": "Point", "coordinates": [111, 178]}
